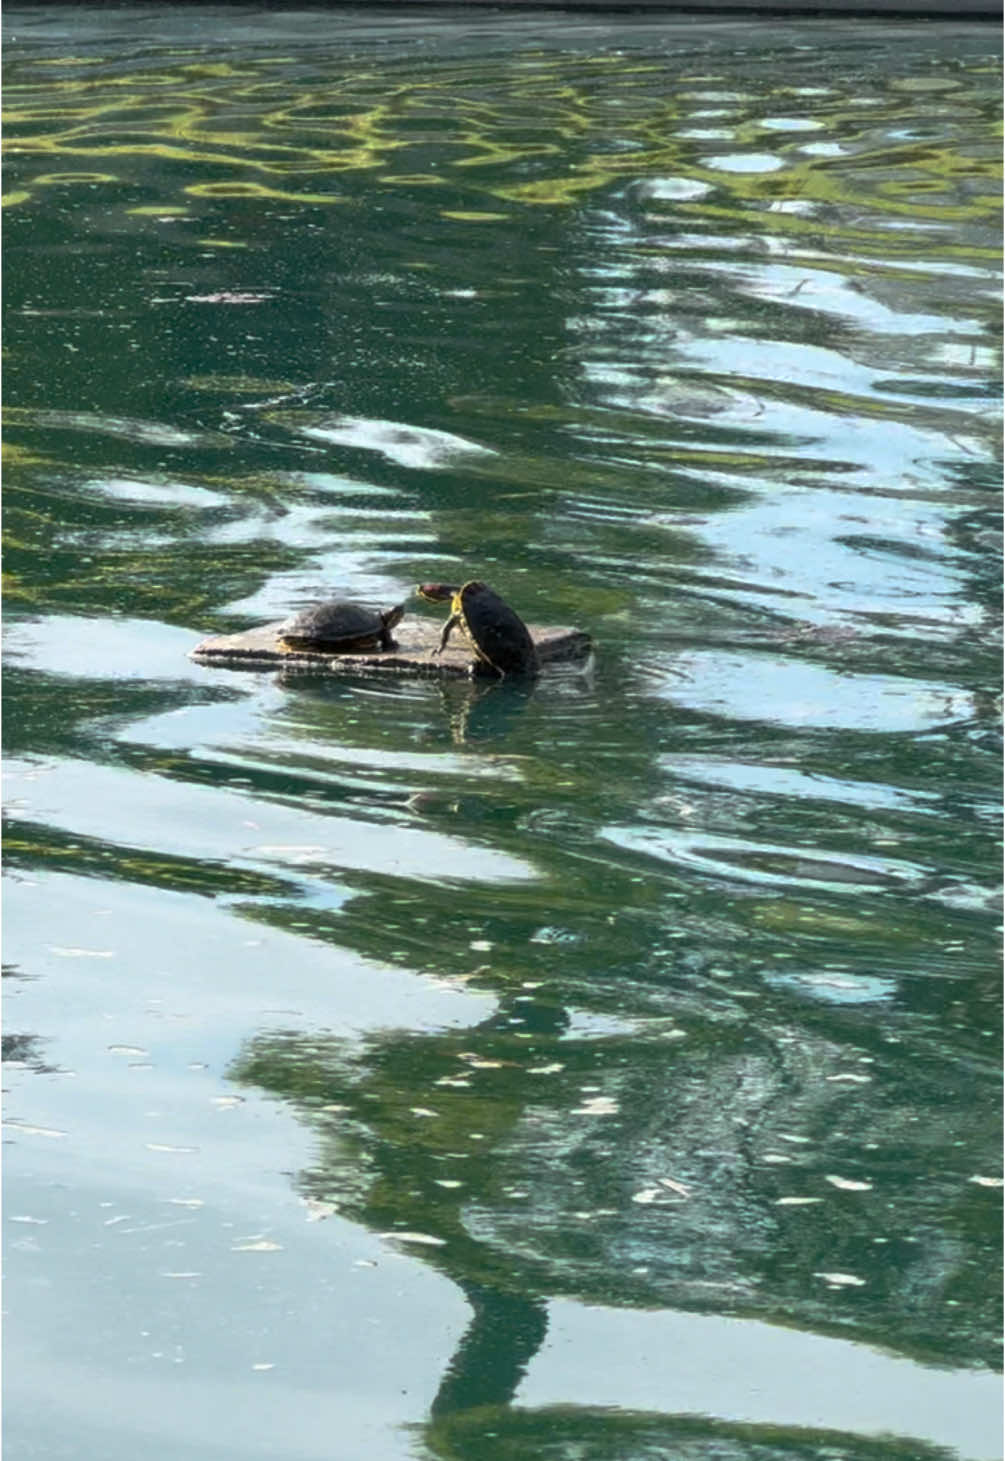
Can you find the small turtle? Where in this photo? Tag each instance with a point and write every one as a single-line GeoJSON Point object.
{"type": "Point", "coordinates": [496, 633]}
{"type": "Point", "coordinates": [338, 627]}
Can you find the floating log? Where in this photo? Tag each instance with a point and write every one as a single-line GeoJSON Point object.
{"type": "Point", "coordinates": [416, 639]}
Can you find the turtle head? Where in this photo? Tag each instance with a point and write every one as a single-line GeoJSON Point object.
{"type": "Point", "coordinates": [393, 617]}
{"type": "Point", "coordinates": [438, 593]}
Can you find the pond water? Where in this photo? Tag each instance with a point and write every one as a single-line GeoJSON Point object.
{"type": "Point", "coordinates": [605, 1068]}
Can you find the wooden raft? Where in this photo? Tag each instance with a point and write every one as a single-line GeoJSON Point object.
{"type": "Point", "coordinates": [259, 649]}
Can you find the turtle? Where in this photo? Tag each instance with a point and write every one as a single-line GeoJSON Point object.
{"type": "Point", "coordinates": [339, 627]}
{"type": "Point", "coordinates": [496, 633]}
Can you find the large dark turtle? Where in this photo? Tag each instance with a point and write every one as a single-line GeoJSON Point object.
{"type": "Point", "coordinates": [496, 633]}
{"type": "Point", "coordinates": [338, 627]}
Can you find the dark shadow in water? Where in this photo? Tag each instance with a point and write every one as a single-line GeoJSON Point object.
{"type": "Point", "coordinates": [492, 1358]}
{"type": "Point", "coordinates": [479, 710]}
{"type": "Point", "coordinates": [554, 1433]}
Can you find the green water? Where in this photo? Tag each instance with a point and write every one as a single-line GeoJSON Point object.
{"type": "Point", "coordinates": [607, 1068]}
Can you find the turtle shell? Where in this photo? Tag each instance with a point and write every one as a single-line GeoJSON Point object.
{"type": "Point", "coordinates": [498, 635]}
{"type": "Point", "coordinates": [340, 625]}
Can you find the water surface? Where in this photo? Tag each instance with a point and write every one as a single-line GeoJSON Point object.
{"type": "Point", "coordinates": [603, 1068]}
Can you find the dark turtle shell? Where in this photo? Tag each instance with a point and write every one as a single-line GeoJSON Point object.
{"type": "Point", "coordinates": [341, 627]}
{"type": "Point", "coordinates": [497, 634]}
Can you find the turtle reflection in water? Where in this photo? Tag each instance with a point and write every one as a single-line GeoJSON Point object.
{"type": "Point", "coordinates": [496, 633]}
{"type": "Point", "coordinates": [339, 627]}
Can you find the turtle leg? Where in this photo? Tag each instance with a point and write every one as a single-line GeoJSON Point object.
{"type": "Point", "coordinates": [448, 628]}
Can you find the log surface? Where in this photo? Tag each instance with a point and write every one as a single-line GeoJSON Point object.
{"type": "Point", "coordinates": [416, 639]}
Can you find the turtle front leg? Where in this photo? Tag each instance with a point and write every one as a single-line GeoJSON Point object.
{"type": "Point", "coordinates": [448, 629]}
